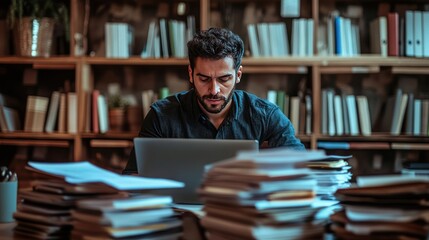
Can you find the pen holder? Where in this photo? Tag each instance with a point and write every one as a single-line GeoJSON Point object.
{"type": "Point", "coordinates": [8, 200]}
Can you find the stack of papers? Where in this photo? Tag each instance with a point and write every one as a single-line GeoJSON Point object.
{"type": "Point", "coordinates": [383, 207]}
{"type": "Point", "coordinates": [331, 174]}
{"type": "Point", "coordinates": [98, 198]}
{"type": "Point", "coordinates": [141, 216]}
{"type": "Point", "coordinates": [263, 195]}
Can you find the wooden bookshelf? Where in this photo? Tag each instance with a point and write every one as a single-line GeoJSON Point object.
{"type": "Point", "coordinates": [92, 71]}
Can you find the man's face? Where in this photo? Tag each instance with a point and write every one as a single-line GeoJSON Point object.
{"type": "Point", "coordinates": [214, 82]}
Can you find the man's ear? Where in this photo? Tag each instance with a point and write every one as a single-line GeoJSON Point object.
{"type": "Point", "coordinates": [190, 74]}
{"type": "Point", "coordinates": [239, 74]}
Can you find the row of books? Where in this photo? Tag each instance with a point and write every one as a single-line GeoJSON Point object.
{"type": "Point", "coordinates": [347, 114]}
{"type": "Point", "coordinates": [265, 195]}
{"type": "Point", "coordinates": [338, 35]}
{"type": "Point", "coordinates": [43, 114]}
{"type": "Point", "coordinates": [395, 35]}
{"type": "Point", "coordinates": [59, 113]}
{"type": "Point", "coordinates": [354, 115]}
{"type": "Point", "coordinates": [271, 39]}
{"type": "Point", "coordinates": [165, 38]}
{"type": "Point", "coordinates": [168, 38]}
{"type": "Point", "coordinates": [406, 114]}
{"type": "Point", "coordinates": [298, 109]}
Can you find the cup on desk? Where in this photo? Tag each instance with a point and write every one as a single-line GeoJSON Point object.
{"type": "Point", "coordinates": [8, 197]}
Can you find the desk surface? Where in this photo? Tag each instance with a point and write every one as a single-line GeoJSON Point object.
{"type": "Point", "coordinates": [6, 231]}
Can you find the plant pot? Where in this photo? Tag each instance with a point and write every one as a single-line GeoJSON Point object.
{"type": "Point", "coordinates": [116, 119]}
{"type": "Point", "coordinates": [33, 37]}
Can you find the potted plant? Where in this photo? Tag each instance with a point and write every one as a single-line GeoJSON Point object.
{"type": "Point", "coordinates": [33, 23]}
{"type": "Point", "coordinates": [117, 112]}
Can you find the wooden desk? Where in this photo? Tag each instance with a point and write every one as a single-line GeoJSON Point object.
{"type": "Point", "coordinates": [6, 231]}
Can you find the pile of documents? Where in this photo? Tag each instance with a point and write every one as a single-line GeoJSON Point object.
{"type": "Point", "coordinates": [264, 195]}
{"type": "Point", "coordinates": [383, 207]}
{"type": "Point", "coordinates": [55, 205]}
{"type": "Point", "coordinates": [331, 174]}
{"type": "Point", "coordinates": [144, 216]}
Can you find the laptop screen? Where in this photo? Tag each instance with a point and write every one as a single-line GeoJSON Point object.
{"type": "Point", "coordinates": [183, 159]}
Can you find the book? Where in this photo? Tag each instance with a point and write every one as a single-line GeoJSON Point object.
{"type": "Point", "coordinates": [52, 116]}
{"type": "Point", "coordinates": [72, 111]}
{"type": "Point", "coordinates": [418, 30]}
{"type": "Point", "coordinates": [398, 111]}
{"type": "Point", "coordinates": [364, 117]}
{"type": "Point", "coordinates": [352, 115]}
{"type": "Point", "coordinates": [103, 118]}
{"type": "Point", "coordinates": [35, 114]}
{"type": "Point", "coordinates": [393, 34]}
{"type": "Point", "coordinates": [409, 33]}
{"type": "Point", "coordinates": [9, 119]}
{"type": "Point", "coordinates": [95, 115]}
{"type": "Point", "coordinates": [62, 113]}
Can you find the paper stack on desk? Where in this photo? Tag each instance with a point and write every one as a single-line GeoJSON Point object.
{"type": "Point", "coordinates": [141, 216]}
{"type": "Point", "coordinates": [383, 207]}
{"type": "Point", "coordinates": [82, 188]}
{"type": "Point", "coordinates": [331, 174]}
{"type": "Point", "coordinates": [265, 195]}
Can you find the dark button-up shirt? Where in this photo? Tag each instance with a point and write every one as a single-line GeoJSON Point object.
{"type": "Point", "coordinates": [179, 116]}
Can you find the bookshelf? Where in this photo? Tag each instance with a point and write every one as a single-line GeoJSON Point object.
{"type": "Point", "coordinates": [316, 70]}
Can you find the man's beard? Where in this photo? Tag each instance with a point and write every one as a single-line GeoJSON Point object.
{"type": "Point", "coordinates": [210, 109]}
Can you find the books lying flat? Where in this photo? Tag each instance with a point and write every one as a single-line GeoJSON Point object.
{"type": "Point", "coordinates": [239, 230]}
{"type": "Point", "coordinates": [122, 232]}
{"type": "Point", "coordinates": [346, 229]}
{"type": "Point", "coordinates": [134, 202]}
{"type": "Point", "coordinates": [254, 216]}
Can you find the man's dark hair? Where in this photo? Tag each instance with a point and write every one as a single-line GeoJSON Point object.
{"type": "Point", "coordinates": [216, 43]}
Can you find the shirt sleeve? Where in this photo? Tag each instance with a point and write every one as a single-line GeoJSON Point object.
{"type": "Point", "coordinates": [282, 132]}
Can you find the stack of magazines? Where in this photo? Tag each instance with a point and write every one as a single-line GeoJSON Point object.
{"type": "Point", "coordinates": [82, 188]}
{"type": "Point", "coordinates": [264, 195]}
{"type": "Point", "coordinates": [331, 174]}
{"type": "Point", "coordinates": [383, 207]}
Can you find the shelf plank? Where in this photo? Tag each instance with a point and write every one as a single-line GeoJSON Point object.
{"type": "Point", "coordinates": [347, 69]}
{"type": "Point", "coordinates": [38, 143]}
{"type": "Point", "coordinates": [34, 135]}
{"type": "Point", "coordinates": [101, 143]}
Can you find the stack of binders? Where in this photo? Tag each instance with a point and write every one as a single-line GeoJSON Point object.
{"type": "Point", "coordinates": [263, 195]}
{"type": "Point", "coordinates": [383, 207]}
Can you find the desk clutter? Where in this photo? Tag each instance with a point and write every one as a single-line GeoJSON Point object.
{"type": "Point", "coordinates": [383, 207]}
{"type": "Point", "coordinates": [89, 208]}
{"type": "Point", "coordinates": [267, 195]}
{"type": "Point", "coordinates": [272, 194]}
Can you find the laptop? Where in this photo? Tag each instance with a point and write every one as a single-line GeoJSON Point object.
{"type": "Point", "coordinates": [183, 159]}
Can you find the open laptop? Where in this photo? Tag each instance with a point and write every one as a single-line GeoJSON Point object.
{"type": "Point", "coordinates": [184, 160]}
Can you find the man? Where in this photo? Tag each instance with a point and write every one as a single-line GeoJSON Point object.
{"type": "Point", "coordinates": [213, 108]}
